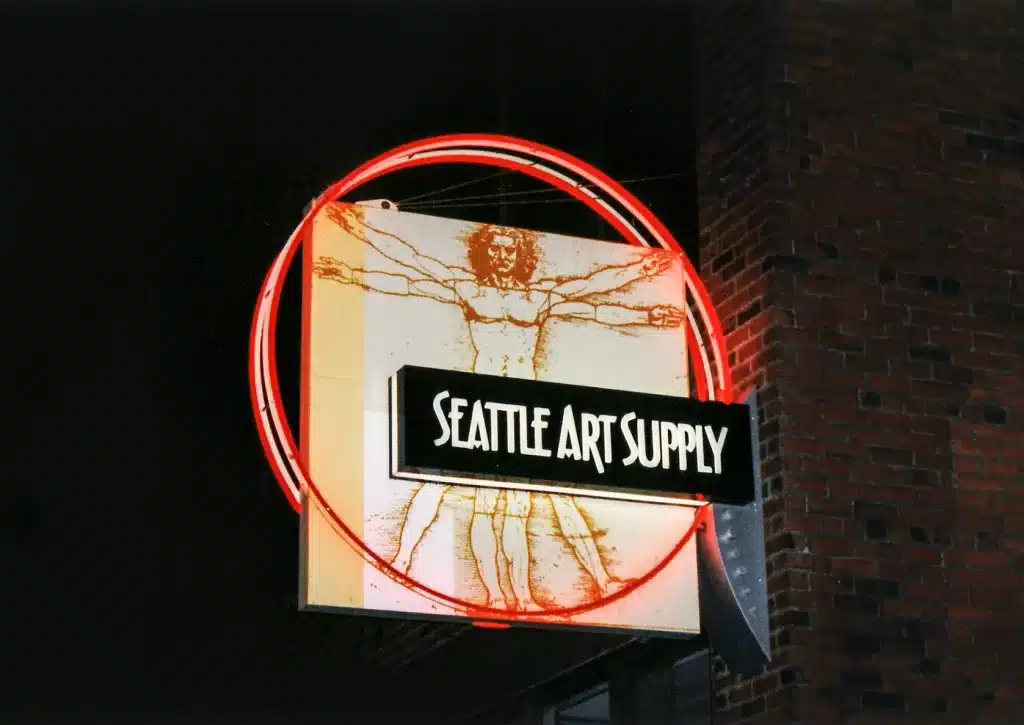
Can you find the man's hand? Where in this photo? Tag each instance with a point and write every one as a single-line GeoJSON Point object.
{"type": "Point", "coordinates": [655, 263]}
{"type": "Point", "coordinates": [334, 270]}
{"type": "Point", "coordinates": [665, 316]}
{"type": "Point", "coordinates": [346, 216]}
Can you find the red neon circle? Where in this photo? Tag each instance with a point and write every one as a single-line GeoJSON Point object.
{"type": "Point", "coordinates": [381, 563]}
{"type": "Point", "coordinates": [347, 184]}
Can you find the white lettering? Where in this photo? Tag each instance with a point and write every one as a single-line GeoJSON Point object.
{"type": "Point", "coordinates": [606, 435]}
{"type": "Point", "coordinates": [701, 466]}
{"type": "Point", "coordinates": [590, 434]}
{"type": "Point", "coordinates": [655, 458]}
{"type": "Point", "coordinates": [493, 409]}
{"type": "Point", "coordinates": [524, 441]}
{"type": "Point", "coordinates": [652, 443]}
{"type": "Point", "coordinates": [446, 432]}
{"type": "Point", "coordinates": [478, 428]}
{"type": "Point", "coordinates": [687, 443]}
{"type": "Point", "coordinates": [510, 424]}
{"type": "Point", "coordinates": [669, 442]}
{"type": "Point", "coordinates": [539, 424]}
{"type": "Point", "coordinates": [455, 415]}
{"type": "Point", "coordinates": [568, 439]}
{"type": "Point", "coordinates": [627, 435]}
{"type": "Point", "coordinates": [717, 444]}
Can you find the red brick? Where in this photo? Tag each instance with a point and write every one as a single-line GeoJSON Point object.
{"type": "Point", "coordinates": [905, 201]}
{"type": "Point", "coordinates": [854, 567]}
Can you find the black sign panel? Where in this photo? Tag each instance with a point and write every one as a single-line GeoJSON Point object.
{"type": "Point", "coordinates": [495, 429]}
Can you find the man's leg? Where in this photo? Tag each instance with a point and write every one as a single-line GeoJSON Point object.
{"type": "Point", "coordinates": [420, 516]}
{"type": "Point", "coordinates": [517, 547]}
{"type": "Point", "coordinates": [485, 544]}
{"type": "Point", "coordinates": [577, 532]}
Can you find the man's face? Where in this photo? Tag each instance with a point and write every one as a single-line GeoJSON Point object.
{"type": "Point", "coordinates": [502, 253]}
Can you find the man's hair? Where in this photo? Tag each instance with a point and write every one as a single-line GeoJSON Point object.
{"type": "Point", "coordinates": [480, 237]}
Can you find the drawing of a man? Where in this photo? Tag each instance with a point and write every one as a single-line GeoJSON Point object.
{"type": "Point", "coordinates": [505, 310]}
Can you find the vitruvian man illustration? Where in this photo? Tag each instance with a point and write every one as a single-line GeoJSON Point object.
{"type": "Point", "coordinates": [505, 310]}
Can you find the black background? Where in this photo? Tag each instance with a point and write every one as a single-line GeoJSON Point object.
{"type": "Point", "coordinates": [416, 388]}
{"type": "Point", "coordinates": [154, 162]}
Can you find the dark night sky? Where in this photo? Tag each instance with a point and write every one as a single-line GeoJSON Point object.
{"type": "Point", "coordinates": [154, 163]}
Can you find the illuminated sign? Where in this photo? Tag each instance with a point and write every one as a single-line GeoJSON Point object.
{"type": "Point", "coordinates": [486, 430]}
{"type": "Point", "coordinates": [402, 307]}
{"type": "Point", "coordinates": [501, 424]}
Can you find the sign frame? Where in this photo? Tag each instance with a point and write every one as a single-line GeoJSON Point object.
{"type": "Point", "coordinates": [713, 381]}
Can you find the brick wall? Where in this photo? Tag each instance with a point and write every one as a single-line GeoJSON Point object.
{"type": "Point", "coordinates": [862, 234]}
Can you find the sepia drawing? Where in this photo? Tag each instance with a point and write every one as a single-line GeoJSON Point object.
{"type": "Point", "coordinates": [505, 307]}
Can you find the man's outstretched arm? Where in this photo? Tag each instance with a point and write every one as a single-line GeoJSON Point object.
{"type": "Point", "coordinates": [611, 278]}
{"type": "Point", "coordinates": [391, 245]}
{"type": "Point", "coordinates": [619, 315]}
{"type": "Point", "coordinates": [387, 283]}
